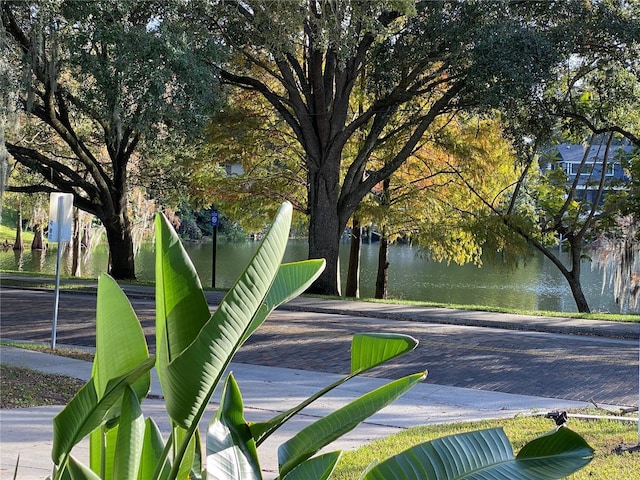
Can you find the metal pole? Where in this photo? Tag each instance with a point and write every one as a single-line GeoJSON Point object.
{"type": "Point", "coordinates": [213, 261]}
{"type": "Point", "coordinates": [59, 219]}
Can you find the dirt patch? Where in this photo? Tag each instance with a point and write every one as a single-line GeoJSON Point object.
{"type": "Point", "coordinates": [23, 387]}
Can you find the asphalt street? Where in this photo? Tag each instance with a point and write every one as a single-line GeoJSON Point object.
{"type": "Point", "coordinates": [510, 360]}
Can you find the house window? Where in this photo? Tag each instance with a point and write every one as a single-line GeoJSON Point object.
{"type": "Point", "coordinates": [588, 169]}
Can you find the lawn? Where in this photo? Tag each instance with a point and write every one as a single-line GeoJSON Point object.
{"type": "Point", "coordinates": [603, 435]}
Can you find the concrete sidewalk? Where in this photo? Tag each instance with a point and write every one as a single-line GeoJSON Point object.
{"type": "Point", "coordinates": [266, 391]}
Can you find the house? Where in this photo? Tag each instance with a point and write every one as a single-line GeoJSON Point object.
{"type": "Point", "coordinates": [589, 170]}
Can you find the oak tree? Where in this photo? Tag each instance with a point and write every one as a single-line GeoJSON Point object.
{"type": "Point", "coordinates": [420, 61]}
{"type": "Point", "coordinates": [103, 86]}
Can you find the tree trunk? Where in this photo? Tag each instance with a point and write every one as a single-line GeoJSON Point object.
{"type": "Point", "coordinates": [38, 238]}
{"type": "Point", "coordinates": [18, 245]}
{"type": "Point", "coordinates": [324, 242]}
{"type": "Point", "coordinates": [383, 266]}
{"type": "Point", "coordinates": [325, 226]}
{"type": "Point", "coordinates": [382, 276]}
{"type": "Point", "coordinates": [352, 288]}
{"type": "Point", "coordinates": [578, 294]}
{"type": "Point", "coordinates": [573, 277]}
{"type": "Point", "coordinates": [121, 253]}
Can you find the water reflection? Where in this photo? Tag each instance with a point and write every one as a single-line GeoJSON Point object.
{"type": "Point", "coordinates": [534, 285]}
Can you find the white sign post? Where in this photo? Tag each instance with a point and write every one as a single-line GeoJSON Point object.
{"type": "Point", "coordinates": [60, 213]}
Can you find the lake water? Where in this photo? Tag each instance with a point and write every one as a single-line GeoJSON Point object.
{"type": "Point", "coordinates": [535, 285]}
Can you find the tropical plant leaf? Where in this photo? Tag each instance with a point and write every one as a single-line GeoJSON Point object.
{"type": "Point", "coordinates": [192, 374]}
{"type": "Point", "coordinates": [316, 468]}
{"type": "Point", "coordinates": [152, 447]}
{"type": "Point", "coordinates": [120, 341]}
{"type": "Point", "coordinates": [102, 449]}
{"type": "Point", "coordinates": [231, 451]}
{"type": "Point", "coordinates": [291, 280]}
{"type": "Point", "coordinates": [129, 441]}
{"type": "Point", "coordinates": [368, 350]}
{"type": "Point", "coordinates": [190, 466]}
{"type": "Point", "coordinates": [327, 429]}
{"type": "Point", "coordinates": [486, 454]}
{"type": "Point", "coordinates": [181, 306]}
{"type": "Point", "coordinates": [560, 452]}
{"type": "Point", "coordinates": [78, 471]}
{"type": "Point", "coordinates": [86, 412]}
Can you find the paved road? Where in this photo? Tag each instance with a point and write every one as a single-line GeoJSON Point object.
{"type": "Point", "coordinates": [531, 363]}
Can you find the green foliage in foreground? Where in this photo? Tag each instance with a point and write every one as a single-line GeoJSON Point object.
{"type": "Point", "coordinates": [604, 435]}
{"type": "Point", "coordinates": [194, 349]}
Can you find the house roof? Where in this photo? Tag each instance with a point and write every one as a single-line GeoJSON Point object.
{"type": "Point", "coordinates": [574, 153]}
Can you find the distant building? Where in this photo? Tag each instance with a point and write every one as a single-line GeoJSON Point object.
{"type": "Point", "coordinates": [570, 158]}
{"type": "Point", "coordinates": [232, 169]}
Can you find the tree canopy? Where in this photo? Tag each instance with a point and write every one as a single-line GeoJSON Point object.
{"type": "Point", "coordinates": [352, 77]}
{"type": "Point", "coordinates": [103, 86]}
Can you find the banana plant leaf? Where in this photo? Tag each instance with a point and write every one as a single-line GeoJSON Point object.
{"type": "Point", "coordinates": [120, 341]}
{"type": "Point", "coordinates": [152, 447]}
{"type": "Point", "coordinates": [102, 446]}
{"type": "Point", "coordinates": [190, 466]}
{"type": "Point", "coordinates": [181, 306]}
{"type": "Point", "coordinates": [86, 411]}
{"type": "Point", "coordinates": [317, 468]}
{"type": "Point", "coordinates": [189, 376]}
{"type": "Point", "coordinates": [368, 350]}
{"type": "Point", "coordinates": [291, 280]}
{"type": "Point", "coordinates": [77, 471]}
{"type": "Point", "coordinates": [231, 451]}
{"type": "Point", "coordinates": [331, 427]}
{"type": "Point", "coordinates": [129, 441]}
{"type": "Point", "coordinates": [486, 454]}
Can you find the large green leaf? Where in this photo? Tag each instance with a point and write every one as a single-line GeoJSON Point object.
{"type": "Point", "coordinates": [86, 411]}
{"type": "Point", "coordinates": [152, 447]}
{"type": "Point", "coordinates": [291, 280]}
{"type": "Point", "coordinates": [368, 350]}
{"type": "Point", "coordinates": [120, 341]}
{"type": "Point", "coordinates": [560, 452]}
{"type": "Point", "coordinates": [190, 463]}
{"type": "Point", "coordinates": [231, 451]}
{"type": "Point", "coordinates": [181, 306]}
{"type": "Point", "coordinates": [486, 455]}
{"type": "Point", "coordinates": [331, 427]}
{"type": "Point", "coordinates": [316, 468]}
{"type": "Point", "coordinates": [102, 450]}
{"type": "Point", "coordinates": [129, 441]}
{"type": "Point", "coordinates": [191, 375]}
{"type": "Point", "coordinates": [78, 471]}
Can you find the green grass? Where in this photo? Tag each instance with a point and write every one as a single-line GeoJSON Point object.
{"type": "Point", "coordinates": [614, 317]}
{"type": "Point", "coordinates": [9, 234]}
{"type": "Point", "coordinates": [603, 435]}
{"type": "Point", "coordinates": [71, 352]}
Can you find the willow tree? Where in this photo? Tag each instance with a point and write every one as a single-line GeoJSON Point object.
{"type": "Point", "coordinates": [104, 84]}
{"type": "Point", "coordinates": [419, 61]}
